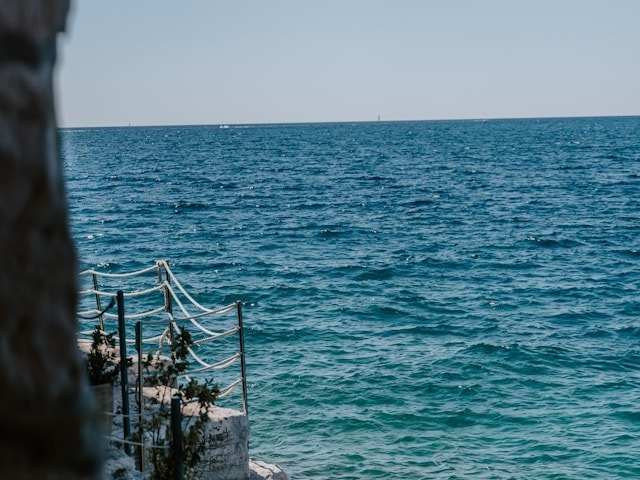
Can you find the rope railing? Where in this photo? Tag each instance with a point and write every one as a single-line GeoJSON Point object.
{"type": "Point", "coordinates": [219, 336]}
{"type": "Point", "coordinates": [136, 316]}
{"type": "Point", "coordinates": [229, 388]}
{"type": "Point", "coordinates": [160, 267]}
{"type": "Point", "coordinates": [122, 275]}
{"type": "Point", "coordinates": [132, 294]}
{"type": "Point", "coordinates": [193, 354]}
{"type": "Point", "coordinates": [156, 313]}
{"type": "Point", "coordinates": [173, 278]}
{"type": "Point", "coordinates": [187, 315]}
{"type": "Point", "coordinates": [216, 366]}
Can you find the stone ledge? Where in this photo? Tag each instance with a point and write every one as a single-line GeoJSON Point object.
{"type": "Point", "coordinates": [266, 471]}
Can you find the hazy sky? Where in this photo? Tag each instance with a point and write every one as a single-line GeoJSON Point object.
{"type": "Point", "coordinates": [160, 62]}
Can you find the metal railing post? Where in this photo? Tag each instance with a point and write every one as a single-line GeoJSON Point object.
{"type": "Point", "coordinates": [168, 305]}
{"type": "Point", "coordinates": [243, 367]}
{"type": "Point", "coordinates": [124, 372]}
{"type": "Point", "coordinates": [140, 395]}
{"type": "Point", "coordinates": [176, 430]}
{"type": "Point", "coordinates": [98, 305]}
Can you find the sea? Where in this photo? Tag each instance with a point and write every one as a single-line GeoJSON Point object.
{"type": "Point", "coordinates": [422, 299]}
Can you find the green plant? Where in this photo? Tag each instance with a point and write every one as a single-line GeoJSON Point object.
{"type": "Point", "coordinates": [157, 426]}
{"type": "Point", "coordinates": [102, 360]}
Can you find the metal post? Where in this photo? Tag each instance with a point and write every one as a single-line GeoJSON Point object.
{"type": "Point", "coordinates": [168, 305]}
{"type": "Point", "coordinates": [124, 372]}
{"type": "Point", "coordinates": [176, 429]}
{"type": "Point", "coordinates": [242, 361]}
{"type": "Point", "coordinates": [98, 306]}
{"type": "Point", "coordinates": [140, 395]}
{"type": "Point", "coordinates": [140, 360]}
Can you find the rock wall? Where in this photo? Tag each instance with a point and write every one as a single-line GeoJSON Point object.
{"type": "Point", "coordinates": [46, 430]}
{"type": "Point", "coordinates": [227, 455]}
{"type": "Point", "coordinates": [226, 438]}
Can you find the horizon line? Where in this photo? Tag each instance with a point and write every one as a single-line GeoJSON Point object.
{"type": "Point", "coordinates": [337, 122]}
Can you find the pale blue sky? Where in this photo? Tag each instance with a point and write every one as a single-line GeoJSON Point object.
{"type": "Point", "coordinates": [160, 62]}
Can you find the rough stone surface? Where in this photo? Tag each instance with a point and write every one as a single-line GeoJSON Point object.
{"type": "Point", "coordinates": [227, 439]}
{"type": "Point", "coordinates": [227, 454]}
{"type": "Point", "coordinates": [121, 466]}
{"type": "Point", "coordinates": [49, 434]}
{"type": "Point", "coordinates": [266, 471]}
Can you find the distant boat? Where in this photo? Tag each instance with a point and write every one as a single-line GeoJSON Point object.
{"type": "Point", "coordinates": [224, 126]}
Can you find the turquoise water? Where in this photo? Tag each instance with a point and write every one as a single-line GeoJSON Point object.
{"type": "Point", "coordinates": [423, 299]}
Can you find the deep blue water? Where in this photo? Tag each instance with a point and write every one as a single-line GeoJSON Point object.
{"type": "Point", "coordinates": [423, 299]}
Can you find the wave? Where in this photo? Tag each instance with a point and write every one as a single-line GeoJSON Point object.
{"type": "Point", "coordinates": [543, 242]}
{"type": "Point", "coordinates": [375, 274]}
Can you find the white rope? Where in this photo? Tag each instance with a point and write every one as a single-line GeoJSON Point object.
{"type": "Point", "coordinates": [186, 313]}
{"type": "Point", "coordinates": [220, 336]}
{"type": "Point", "coordinates": [219, 311]}
{"type": "Point", "coordinates": [217, 366]}
{"type": "Point", "coordinates": [184, 292]}
{"type": "Point", "coordinates": [223, 310]}
{"type": "Point", "coordinates": [103, 293]}
{"type": "Point", "coordinates": [119, 275]}
{"type": "Point", "coordinates": [86, 292]}
{"type": "Point", "coordinates": [205, 365]}
{"type": "Point", "coordinates": [132, 294]}
{"type": "Point", "coordinates": [134, 316]}
{"type": "Point", "coordinates": [147, 340]}
{"type": "Point", "coordinates": [164, 336]}
{"type": "Point", "coordinates": [148, 313]}
{"type": "Point", "coordinates": [229, 389]}
{"type": "Point", "coordinates": [191, 318]}
{"type": "Point", "coordinates": [190, 350]}
{"type": "Point", "coordinates": [140, 293]}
